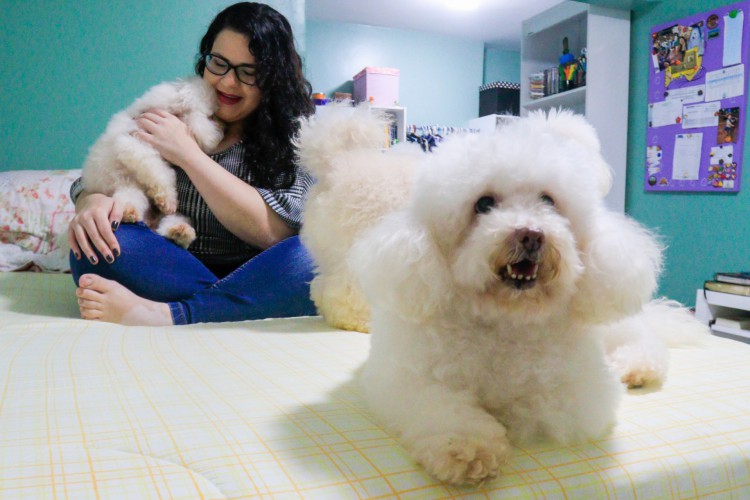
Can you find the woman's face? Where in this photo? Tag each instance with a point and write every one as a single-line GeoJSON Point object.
{"type": "Point", "coordinates": [237, 100]}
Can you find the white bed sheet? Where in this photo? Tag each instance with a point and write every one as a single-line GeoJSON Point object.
{"type": "Point", "coordinates": [271, 409]}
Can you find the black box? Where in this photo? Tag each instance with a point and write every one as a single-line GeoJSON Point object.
{"type": "Point", "coordinates": [500, 98]}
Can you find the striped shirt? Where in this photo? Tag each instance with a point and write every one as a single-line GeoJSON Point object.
{"type": "Point", "coordinates": [214, 245]}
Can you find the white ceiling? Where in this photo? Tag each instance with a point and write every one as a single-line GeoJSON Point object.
{"type": "Point", "coordinates": [496, 22]}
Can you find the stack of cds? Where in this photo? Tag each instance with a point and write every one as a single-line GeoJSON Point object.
{"type": "Point", "coordinates": [536, 85]}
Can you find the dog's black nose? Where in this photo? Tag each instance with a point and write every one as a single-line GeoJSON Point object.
{"type": "Point", "coordinates": [531, 239]}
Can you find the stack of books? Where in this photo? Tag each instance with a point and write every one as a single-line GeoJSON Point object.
{"type": "Point", "coordinates": [734, 283]}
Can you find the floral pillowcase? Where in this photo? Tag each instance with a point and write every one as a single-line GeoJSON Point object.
{"type": "Point", "coordinates": [35, 210]}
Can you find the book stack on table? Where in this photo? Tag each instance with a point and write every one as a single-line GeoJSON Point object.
{"type": "Point", "coordinates": [734, 283]}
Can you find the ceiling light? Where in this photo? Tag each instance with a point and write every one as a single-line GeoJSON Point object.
{"type": "Point", "coordinates": [465, 5]}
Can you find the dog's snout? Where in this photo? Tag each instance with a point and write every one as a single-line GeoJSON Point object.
{"type": "Point", "coordinates": [531, 239]}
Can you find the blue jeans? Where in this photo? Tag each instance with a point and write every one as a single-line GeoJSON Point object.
{"type": "Point", "coordinates": [273, 284]}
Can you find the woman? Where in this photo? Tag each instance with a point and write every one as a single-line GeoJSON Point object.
{"type": "Point", "coordinates": [245, 199]}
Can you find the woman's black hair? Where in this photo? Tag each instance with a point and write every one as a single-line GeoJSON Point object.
{"type": "Point", "coordinates": [285, 93]}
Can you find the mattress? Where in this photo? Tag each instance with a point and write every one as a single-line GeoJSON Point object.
{"type": "Point", "coordinates": [273, 409]}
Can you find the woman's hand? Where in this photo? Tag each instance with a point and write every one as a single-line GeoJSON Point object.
{"type": "Point", "coordinates": [97, 217]}
{"type": "Point", "coordinates": [168, 135]}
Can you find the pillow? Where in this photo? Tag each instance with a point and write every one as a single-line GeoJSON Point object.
{"type": "Point", "coordinates": [35, 210]}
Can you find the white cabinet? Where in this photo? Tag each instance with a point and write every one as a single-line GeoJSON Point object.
{"type": "Point", "coordinates": [490, 123]}
{"type": "Point", "coordinates": [397, 114]}
{"type": "Point", "coordinates": [605, 34]}
{"type": "Point", "coordinates": [716, 304]}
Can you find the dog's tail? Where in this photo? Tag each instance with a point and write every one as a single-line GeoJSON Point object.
{"type": "Point", "coordinates": [675, 324]}
{"type": "Point", "coordinates": [335, 129]}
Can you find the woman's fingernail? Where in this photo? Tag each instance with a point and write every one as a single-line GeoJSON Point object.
{"type": "Point", "coordinates": [116, 253]}
{"type": "Point", "coordinates": [109, 259]}
{"type": "Point", "coordinates": [93, 260]}
{"type": "Point", "coordinates": [78, 255]}
{"type": "Point", "coordinates": [115, 225]}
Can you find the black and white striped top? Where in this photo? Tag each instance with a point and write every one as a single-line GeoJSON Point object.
{"type": "Point", "coordinates": [214, 244]}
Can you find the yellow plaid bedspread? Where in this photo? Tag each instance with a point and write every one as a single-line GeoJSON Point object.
{"type": "Point", "coordinates": [271, 409]}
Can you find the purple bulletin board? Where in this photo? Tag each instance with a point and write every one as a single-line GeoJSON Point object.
{"type": "Point", "coordinates": [696, 101]}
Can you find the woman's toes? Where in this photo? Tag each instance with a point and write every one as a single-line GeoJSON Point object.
{"type": "Point", "coordinates": [96, 283]}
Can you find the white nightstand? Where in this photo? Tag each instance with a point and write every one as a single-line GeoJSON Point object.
{"type": "Point", "coordinates": [714, 304]}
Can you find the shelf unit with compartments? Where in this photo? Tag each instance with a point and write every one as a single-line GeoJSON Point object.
{"type": "Point", "coordinates": [605, 34]}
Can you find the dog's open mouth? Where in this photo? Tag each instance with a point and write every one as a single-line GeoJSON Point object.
{"type": "Point", "coordinates": [521, 274]}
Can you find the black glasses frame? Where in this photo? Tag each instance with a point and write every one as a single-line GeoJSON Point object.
{"type": "Point", "coordinates": [230, 66]}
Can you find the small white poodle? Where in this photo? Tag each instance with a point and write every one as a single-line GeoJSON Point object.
{"type": "Point", "coordinates": [133, 172]}
{"type": "Point", "coordinates": [357, 184]}
{"type": "Point", "coordinates": [495, 293]}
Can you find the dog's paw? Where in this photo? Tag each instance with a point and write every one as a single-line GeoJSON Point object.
{"type": "Point", "coordinates": [165, 202]}
{"type": "Point", "coordinates": [458, 459]}
{"type": "Point", "coordinates": [131, 215]}
{"type": "Point", "coordinates": [642, 376]}
{"type": "Point", "coordinates": [183, 234]}
{"type": "Point", "coordinates": [638, 367]}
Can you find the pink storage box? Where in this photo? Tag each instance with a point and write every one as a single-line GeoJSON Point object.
{"type": "Point", "coordinates": [379, 83]}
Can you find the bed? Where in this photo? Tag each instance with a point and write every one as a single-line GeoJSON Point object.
{"type": "Point", "coordinates": [273, 409]}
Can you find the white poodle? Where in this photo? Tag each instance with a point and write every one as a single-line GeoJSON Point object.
{"type": "Point", "coordinates": [133, 172]}
{"type": "Point", "coordinates": [493, 295]}
{"type": "Point", "coordinates": [357, 184]}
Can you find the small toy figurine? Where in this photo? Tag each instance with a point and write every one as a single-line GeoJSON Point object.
{"type": "Point", "coordinates": [581, 79]}
{"type": "Point", "coordinates": [566, 57]}
{"type": "Point", "coordinates": [567, 68]}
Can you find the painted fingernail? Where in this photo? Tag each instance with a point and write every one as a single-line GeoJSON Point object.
{"type": "Point", "coordinates": [93, 260]}
{"type": "Point", "coordinates": [78, 255]}
{"type": "Point", "coordinates": [109, 259]}
{"type": "Point", "coordinates": [116, 252]}
{"type": "Point", "coordinates": [115, 225]}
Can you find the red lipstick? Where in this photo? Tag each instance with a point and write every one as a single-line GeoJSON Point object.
{"type": "Point", "coordinates": [227, 99]}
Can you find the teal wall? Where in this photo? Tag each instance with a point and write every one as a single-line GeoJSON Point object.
{"type": "Point", "coordinates": [69, 65]}
{"type": "Point", "coordinates": [501, 65]}
{"type": "Point", "coordinates": [705, 232]}
{"type": "Point", "coordinates": [440, 75]}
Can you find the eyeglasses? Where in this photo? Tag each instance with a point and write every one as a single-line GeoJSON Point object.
{"type": "Point", "coordinates": [220, 67]}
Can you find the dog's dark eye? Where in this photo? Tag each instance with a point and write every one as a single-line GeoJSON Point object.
{"type": "Point", "coordinates": [484, 204]}
{"type": "Point", "coordinates": [547, 199]}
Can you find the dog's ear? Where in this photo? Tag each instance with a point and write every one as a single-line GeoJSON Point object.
{"type": "Point", "coordinates": [622, 261]}
{"type": "Point", "coordinates": [569, 126]}
{"type": "Point", "coordinates": [400, 269]}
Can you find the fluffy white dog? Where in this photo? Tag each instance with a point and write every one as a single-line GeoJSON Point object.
{"type": "Point", "coordinates": [133, 172]}
{"type": "Point", "coordinates": [495, 291]}
{"type": "Point", "coordinates": [357, 184]}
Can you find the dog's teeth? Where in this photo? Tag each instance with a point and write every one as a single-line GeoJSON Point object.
{"type": "Point", "coordinates": [509, 269]}
{"type": "Point", "coordinates": [514, 276]}
{"type": "Point", "coordinates": [528, 278]}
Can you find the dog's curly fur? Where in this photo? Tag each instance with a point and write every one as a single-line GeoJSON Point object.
{"type": "Point", "coordinates": [494, 291]}
{"type": "Point", "coordinates": [357, 184]}
{"type": "Point", "coordinates": [134, 173]}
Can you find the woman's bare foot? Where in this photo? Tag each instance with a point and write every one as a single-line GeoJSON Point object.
{"type": "Point", "coordinates": [106, 300]}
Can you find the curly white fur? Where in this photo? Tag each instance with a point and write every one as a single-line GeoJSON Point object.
{"type": "Point", "coordinates": [133, 172]}
{"type": "Point", "coordinates": [494, 291]}
{"type": "Point", "coordinates": [357, 184]}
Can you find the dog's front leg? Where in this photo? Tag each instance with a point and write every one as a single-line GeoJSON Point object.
{"type": "Point", "coordinates": [445, 431]}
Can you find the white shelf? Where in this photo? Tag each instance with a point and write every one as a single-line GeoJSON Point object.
{"type": "Point", "coordinates": [736, 332]}
{"type": "Point", "coordinates": [398, 115]}
{"type": "Point", "coordinates": [605, 33]}
{"type": "Point", "coordinates": [571, 99]}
